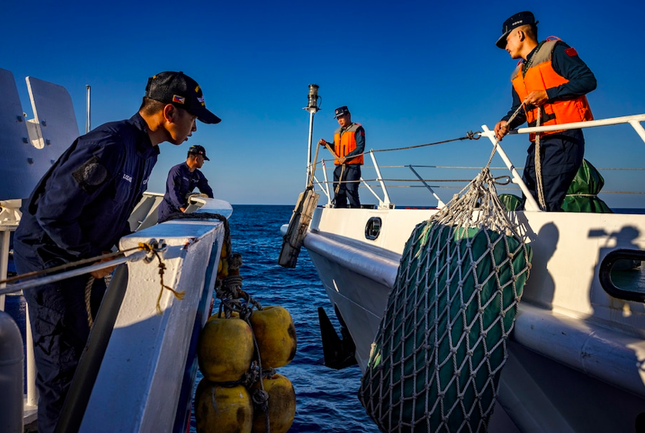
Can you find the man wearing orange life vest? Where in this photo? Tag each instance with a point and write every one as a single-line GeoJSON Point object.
{"type": "Point", "coordinates": [348, 145]}
{"type": "Point", "coordinates": [550, 78]}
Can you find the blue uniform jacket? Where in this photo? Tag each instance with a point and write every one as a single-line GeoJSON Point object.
{"type": "Point", "coordinates": [181, 182]}
{"type": "Point", "coordinates": [81, 206]}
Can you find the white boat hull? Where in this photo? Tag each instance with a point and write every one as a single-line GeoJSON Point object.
{"type": "Point", "coordinates": [573, 345]}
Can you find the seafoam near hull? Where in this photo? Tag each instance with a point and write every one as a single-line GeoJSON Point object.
{"type": "Point", "coordinates": [570, 335]}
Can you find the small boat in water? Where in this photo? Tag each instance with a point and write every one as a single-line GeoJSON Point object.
{"type": "Point", "coordinates": [577, 352]}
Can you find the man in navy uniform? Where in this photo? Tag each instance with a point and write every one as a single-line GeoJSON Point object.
{"type": "Point", "coordinates": [79, 210]}
{"type": "Point", "coordinates": [348, 145]}
{"type": "Point", "coordinates": [182, 180]}
{"type": "Point", "coordinates": [551, 82]}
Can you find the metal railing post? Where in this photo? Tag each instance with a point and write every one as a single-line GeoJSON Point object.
{"type": "Point", "coordinates": [381, 204]}
{"type": "Point", "coordinates": [440, 203]}
{"type": "Point", "coordinates": [386, 196]}
{"type": "Point", "coordinates": [638, 128]}
{"type": "Point", "coordinates": [530, 203]}
{"type": "Point", "coordinates": [31, 400]}
{"type": "Point", "coordinates": [327, 192]}
{"type": "Point", "coordinates": [4, 261]}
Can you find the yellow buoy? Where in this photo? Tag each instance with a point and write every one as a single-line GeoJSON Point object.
{"type": "Point", "coordinates": [222, 410]}
{"type": "Point", "coordinates": [275, 335]}
{"type": "Point", "coordinates": [225, 349]}
{"type": "Point", "coordinates": [282, 405]}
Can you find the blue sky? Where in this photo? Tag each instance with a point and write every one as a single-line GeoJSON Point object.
{"type": "Point", "coordinates": [412, 72]}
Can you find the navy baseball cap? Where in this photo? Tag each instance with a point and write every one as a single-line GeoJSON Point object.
{"type": "Point", "coordinates": [182, 91]}
{"type": "Point", "coordinates": [515, 21]}
{"type": "Point", "coordinates": [340, 111]}
{"type": "Point", "coordinates": [198, 150]}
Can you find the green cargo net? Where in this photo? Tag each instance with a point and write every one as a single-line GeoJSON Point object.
{"type": "Point", "coordinates": [442, 342]}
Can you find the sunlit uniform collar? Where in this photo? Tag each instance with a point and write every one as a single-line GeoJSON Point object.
{"type": "Point", "coordinates": [144, 145]}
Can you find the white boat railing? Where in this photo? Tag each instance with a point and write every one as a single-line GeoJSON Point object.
{"type": "Point", "coordinates": [29, 284]}
{"type": "Point", "coordinates": [531, 204]}
{"type": "Point", "coordinates": [380, 182]}
{"type": "Point", "coordinates": [31, 396]}
{"type": "Point", "coordinates": [142, 217]}
{"type": "Point", "coordinates": [633, 120]}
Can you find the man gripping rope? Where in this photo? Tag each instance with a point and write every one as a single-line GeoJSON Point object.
{"type": "Point", "coordinates": [348, 145]}
{"type": "Point", "coordinates": [551, 82]}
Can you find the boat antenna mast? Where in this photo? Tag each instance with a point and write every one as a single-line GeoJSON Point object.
{"type": "Point", "coordinates": [88, 108]}
{"type": "Point", "coordinates": [312, 107]}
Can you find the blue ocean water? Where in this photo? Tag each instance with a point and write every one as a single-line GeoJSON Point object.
{"type": "Point", "coordinates": [326, 399]}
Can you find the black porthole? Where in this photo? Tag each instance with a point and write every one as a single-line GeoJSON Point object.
{"type": "Point", "coordinates": [623, 281]}
{"type": "Point", "coordinates": [373, 228]}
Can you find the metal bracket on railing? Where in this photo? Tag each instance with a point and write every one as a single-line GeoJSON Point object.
{"type": "Point", "coordinates": [158, 247]}
{"type": "Point", "coordinates": [10, 213]}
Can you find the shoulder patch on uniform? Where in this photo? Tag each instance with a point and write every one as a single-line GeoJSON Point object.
{"type": "Point", "coordinates": [90, 175]}
{"type": "Point", "coordinates": [571, 51]}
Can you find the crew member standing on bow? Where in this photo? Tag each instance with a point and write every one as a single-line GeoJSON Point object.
{"type": "Point", "coordinates": [348, 145]}
{"type": "Point", "coordinates": [551, 81]}
{"type": "Point", "coordinates": [79, 210]}
{"type": "Point", "coordinates": [182, 180]}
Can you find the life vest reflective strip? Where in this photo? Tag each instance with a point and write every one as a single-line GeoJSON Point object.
{"type": "Point", "coordinates": [541, 76]}
{"type": "Point", "coordinates": [346, 143]}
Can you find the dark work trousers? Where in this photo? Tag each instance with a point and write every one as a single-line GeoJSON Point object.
{"type": "Point", "coordinates": [560, 157]}
{"type": "Point", "coordinates": [348, 185]}
{"type": "Point", "coordinates": [60, 331]}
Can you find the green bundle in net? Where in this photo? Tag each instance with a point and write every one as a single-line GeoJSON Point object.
{"type": "Point", "coordinates": [441, 344]}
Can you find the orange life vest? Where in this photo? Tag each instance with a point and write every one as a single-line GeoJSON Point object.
{"type": "Point", "coordinates": [345, 143]}
{"type": "Point", "coordinates": [541, 76]}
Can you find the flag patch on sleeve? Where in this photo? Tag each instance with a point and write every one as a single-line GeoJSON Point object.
{"type": "Point", "coordinates": [571, 52]}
